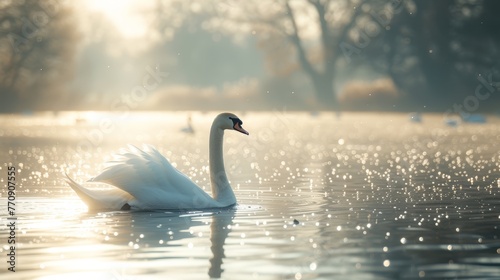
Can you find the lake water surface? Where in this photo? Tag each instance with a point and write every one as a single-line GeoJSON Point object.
{"type": "Point", "coordinates": [363, 196]}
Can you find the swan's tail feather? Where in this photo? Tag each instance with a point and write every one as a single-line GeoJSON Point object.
{"type": "Point", "coordinates": [114, 199]}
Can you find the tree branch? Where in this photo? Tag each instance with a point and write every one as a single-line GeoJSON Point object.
{"type": "Point", "coordinates": [326, 37]}
{"type": "Point", "coordinates": [343, 34]}
{"type": "Point", "coordinates": [297, 42]}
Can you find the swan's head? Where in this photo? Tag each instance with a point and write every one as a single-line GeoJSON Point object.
{"type": "Point", "coordinates": [230, 121]}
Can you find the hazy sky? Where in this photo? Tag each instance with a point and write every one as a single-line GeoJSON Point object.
{"type": "Point", "coordinates": [120, 41]}
{"type": "Point", "coordinates": [124, 15]}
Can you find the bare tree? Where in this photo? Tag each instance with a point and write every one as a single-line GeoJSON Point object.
{"type": "Point", "coordinates": [314, 28]}
{"type": "Point", "coordinates": [37, 43]}
{"type": "Point", "coordinates": [309, 30]}
{"type": "Point", "coordinates": [435, 51]}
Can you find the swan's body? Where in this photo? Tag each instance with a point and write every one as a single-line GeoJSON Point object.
{"type": "Point", "coordinates": [144, 179]}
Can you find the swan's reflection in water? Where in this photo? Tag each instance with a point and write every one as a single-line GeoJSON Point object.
{"type": "Point", "coordinates": [174, 240]}
{"type": "Point", "coordinates": [219, 230]}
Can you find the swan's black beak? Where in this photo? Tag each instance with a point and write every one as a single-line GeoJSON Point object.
{"type": "Point", "coordinates": [237, 126]}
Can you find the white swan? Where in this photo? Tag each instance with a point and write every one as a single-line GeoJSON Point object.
{"type": "Point", "coordinates": [144, 179]}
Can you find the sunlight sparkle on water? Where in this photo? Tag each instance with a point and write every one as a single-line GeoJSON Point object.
{"type": "Point", "coordinates": [310, 201]}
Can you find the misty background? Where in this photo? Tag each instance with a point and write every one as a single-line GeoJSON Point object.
{"type": "Point", "coordinates": [406, 55]}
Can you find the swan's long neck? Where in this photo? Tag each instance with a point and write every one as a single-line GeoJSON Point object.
{"type": "Point", "coordinates": [221, 190]}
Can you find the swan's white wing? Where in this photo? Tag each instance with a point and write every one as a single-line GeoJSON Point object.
{"type": "Point", "coordinates": [153, 181]}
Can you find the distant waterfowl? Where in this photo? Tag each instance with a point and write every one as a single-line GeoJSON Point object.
{"type": "Point", "coordinates": [145, 180]}
{"type": "Point", "coordinates": [189, 128]}
{"type": "Point", "coordinates": [452, 121]}
{"type": "Point", "coordinates": [473, 118]}
{"type": "Point", "coordinates": [416, 117]}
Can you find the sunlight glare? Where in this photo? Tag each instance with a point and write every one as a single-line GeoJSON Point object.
{"type": "Point", "coordinates": [125, 15]}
